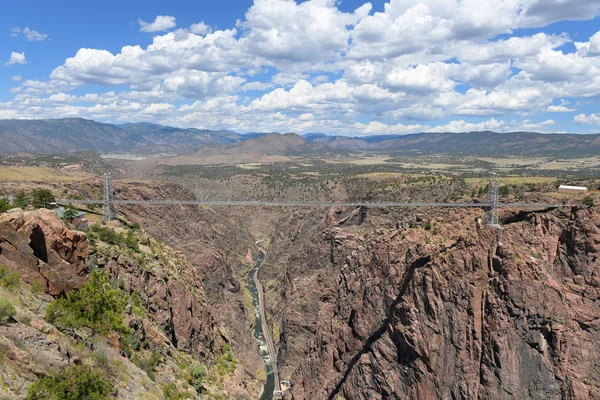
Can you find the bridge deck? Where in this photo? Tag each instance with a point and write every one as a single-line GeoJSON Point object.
{"type": "Point", "coordinates": [219, 203]}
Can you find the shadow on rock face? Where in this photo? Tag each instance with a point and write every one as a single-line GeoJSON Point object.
{"type": "Point", "coordinates": [38, 244]}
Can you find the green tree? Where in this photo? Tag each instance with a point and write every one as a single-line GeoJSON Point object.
{"type": "Point", "coordinates": [7, 311]}
{"type": "Point", "coordinates": [21, 200]}
{"type": "Point", "coordinates": [73, 383]}
{"type": "Point", "coordinates": [95, 305]}
{"type": "Point", "coordinates": [4, 205]}
{"type": "Point", "coordinates": [42, 198]}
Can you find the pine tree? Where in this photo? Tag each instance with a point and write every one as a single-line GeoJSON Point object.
{"type": "Point", "coordinates": [4, 205]}
{"type": "Point", "coordinates": [42, 198]}
{"type": "Point", "coordinates": [21, 200]}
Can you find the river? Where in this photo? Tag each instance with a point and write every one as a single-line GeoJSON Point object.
{"type": "Point", "coordinates": [258, 329]}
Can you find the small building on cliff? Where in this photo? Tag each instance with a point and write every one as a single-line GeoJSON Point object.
{"type": "Point", "coordinates": [572, 189]}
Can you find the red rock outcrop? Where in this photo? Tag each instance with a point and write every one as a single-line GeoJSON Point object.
{"type": "Point", "coordinates": [39, 247]}
{"type": "Point", "coordinates": [377, 311]}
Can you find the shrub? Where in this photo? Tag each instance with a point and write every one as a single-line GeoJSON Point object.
{"type": "Point", "coordinates": [148, 364]}
{"type": "Point", "coordinates": [198, 373]}
{"type": "Point", "coordinates": [73, 383]}
{"type": "Point", "coordinates": [503, 190]}
{"type": "Point", "coordinates": [95, 305]}
{"type": "Point", "coordinates": [427, 225]}
{"type": "Point", "coordinates": [172, 393]}
{"type": "Point", "coordinates": [7, 311]}
{"type": "Point", "coordinates": [588, 201]}
{"type": "Point", "coordinates": [8, 279]}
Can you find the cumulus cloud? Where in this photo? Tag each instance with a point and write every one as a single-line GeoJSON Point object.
{"type": "Point", "coordinates": [161, 23]}
{"type": "Point", "coordinates": [16, 58]}
{"type": "Point", "coordinates": [309, 66]}
{"type": "Point", "coordinates": [16, 78]}
{"type": "Point", "coordinates": [592, 119]}
{"type": "Point", "coordinates": [200, 28]}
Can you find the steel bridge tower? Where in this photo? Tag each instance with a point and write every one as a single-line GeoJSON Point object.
{"type": "Point", "coordinates": [107, 204]}
{"type": "Point", "coordinates": [492, 213]}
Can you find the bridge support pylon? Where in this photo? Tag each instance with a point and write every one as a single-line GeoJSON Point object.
{"type": "Point", "coordinates": [107, 203]}
{"type": "Point", "coordinates": [492, 213]}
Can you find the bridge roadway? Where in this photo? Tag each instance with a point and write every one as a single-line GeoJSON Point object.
{"type": "Point", "coordinates": [219, 203]}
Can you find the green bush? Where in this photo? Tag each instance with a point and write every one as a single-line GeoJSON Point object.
{"type": "Point", "coordinates": [588, 201]}
{"type": "Point", "coordinates": [227, 363]}
{"type": "Point", "coordinates": [73, 383]}
{"type": "Point", "coordinates": [7, 311]}
{"type": "Point", "coordinates": [503, 190]}
{"type": "Point", "coordinates": [107, 235]}
{"type": "Point", "coordinates": [427, 225]}
{"type": "Point", "coordinates": [95, 305]}
{"type": "Point", "coordinates": [8, 279]}
{"type": "Point", "coordinates": [198, 374]}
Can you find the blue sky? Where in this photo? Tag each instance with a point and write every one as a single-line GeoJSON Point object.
{"type": "Point", "coordinates": [349, 67]}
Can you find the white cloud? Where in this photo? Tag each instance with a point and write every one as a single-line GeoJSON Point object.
{"type": "Point", "coordinates": [591, 48]}
{"type": "Point", "coordinates": [30, 34]}
{"type": "Point", "coordinates": [16, 78]}
{"type": "Point", "coordinates": [161, 23]}
{"type": "Point", "coordinates": [284, 32]}
{"type": "Point", "coordinates": [16, 58]}
{"type": "Point", "coordinates": [592, 119]}
{"type": "Point", "coordinates": [560, 108]}
{"type": "Point", "coordinates": [200, 28]}
{"type": "Point", "coordinates": [34, 36]}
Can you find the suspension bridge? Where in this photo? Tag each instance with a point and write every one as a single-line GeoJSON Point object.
{"type": "Point", "coordinates": [491, 205]}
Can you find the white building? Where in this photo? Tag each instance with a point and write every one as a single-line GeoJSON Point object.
{"type": "Point", "coordinates": [572, 189]}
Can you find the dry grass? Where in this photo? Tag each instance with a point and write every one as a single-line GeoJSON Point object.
{"type": "Point", "coordinates": [38, 174]}
{"type": "Point", "coordinates": [511, 180]}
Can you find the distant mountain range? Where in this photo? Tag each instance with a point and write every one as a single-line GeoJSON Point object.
{"type": "Point", "coordinates": [76, 134]}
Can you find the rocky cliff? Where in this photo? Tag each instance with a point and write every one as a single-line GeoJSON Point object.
{"type": "Point", "coordinates": [396, 305]}
{"type": "Point", "coordinates": [170, 325]}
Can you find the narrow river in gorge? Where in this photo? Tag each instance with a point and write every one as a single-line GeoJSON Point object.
{"type": "Point", "coordinates": [259, 332]}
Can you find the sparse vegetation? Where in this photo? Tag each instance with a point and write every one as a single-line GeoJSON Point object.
{"type": "Point", "coordinates": [148, 363]}
{"type": "Point", "coordinates": [95, 305]}
{"type": "Point", "coordinates": [171, 392]}
{"type": "Point", "coordinates": [73, 383]}
{"type": "Point", "coordinates": [8, 279]}
{"type": "Point", "coordinates": [588, 201]}
{"type": "Point", "coordinates": [197, 375]}
{"type": "Point", "coordinates": [227, 363]}
{"type": "Point", "coordinates": [7, 311]}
